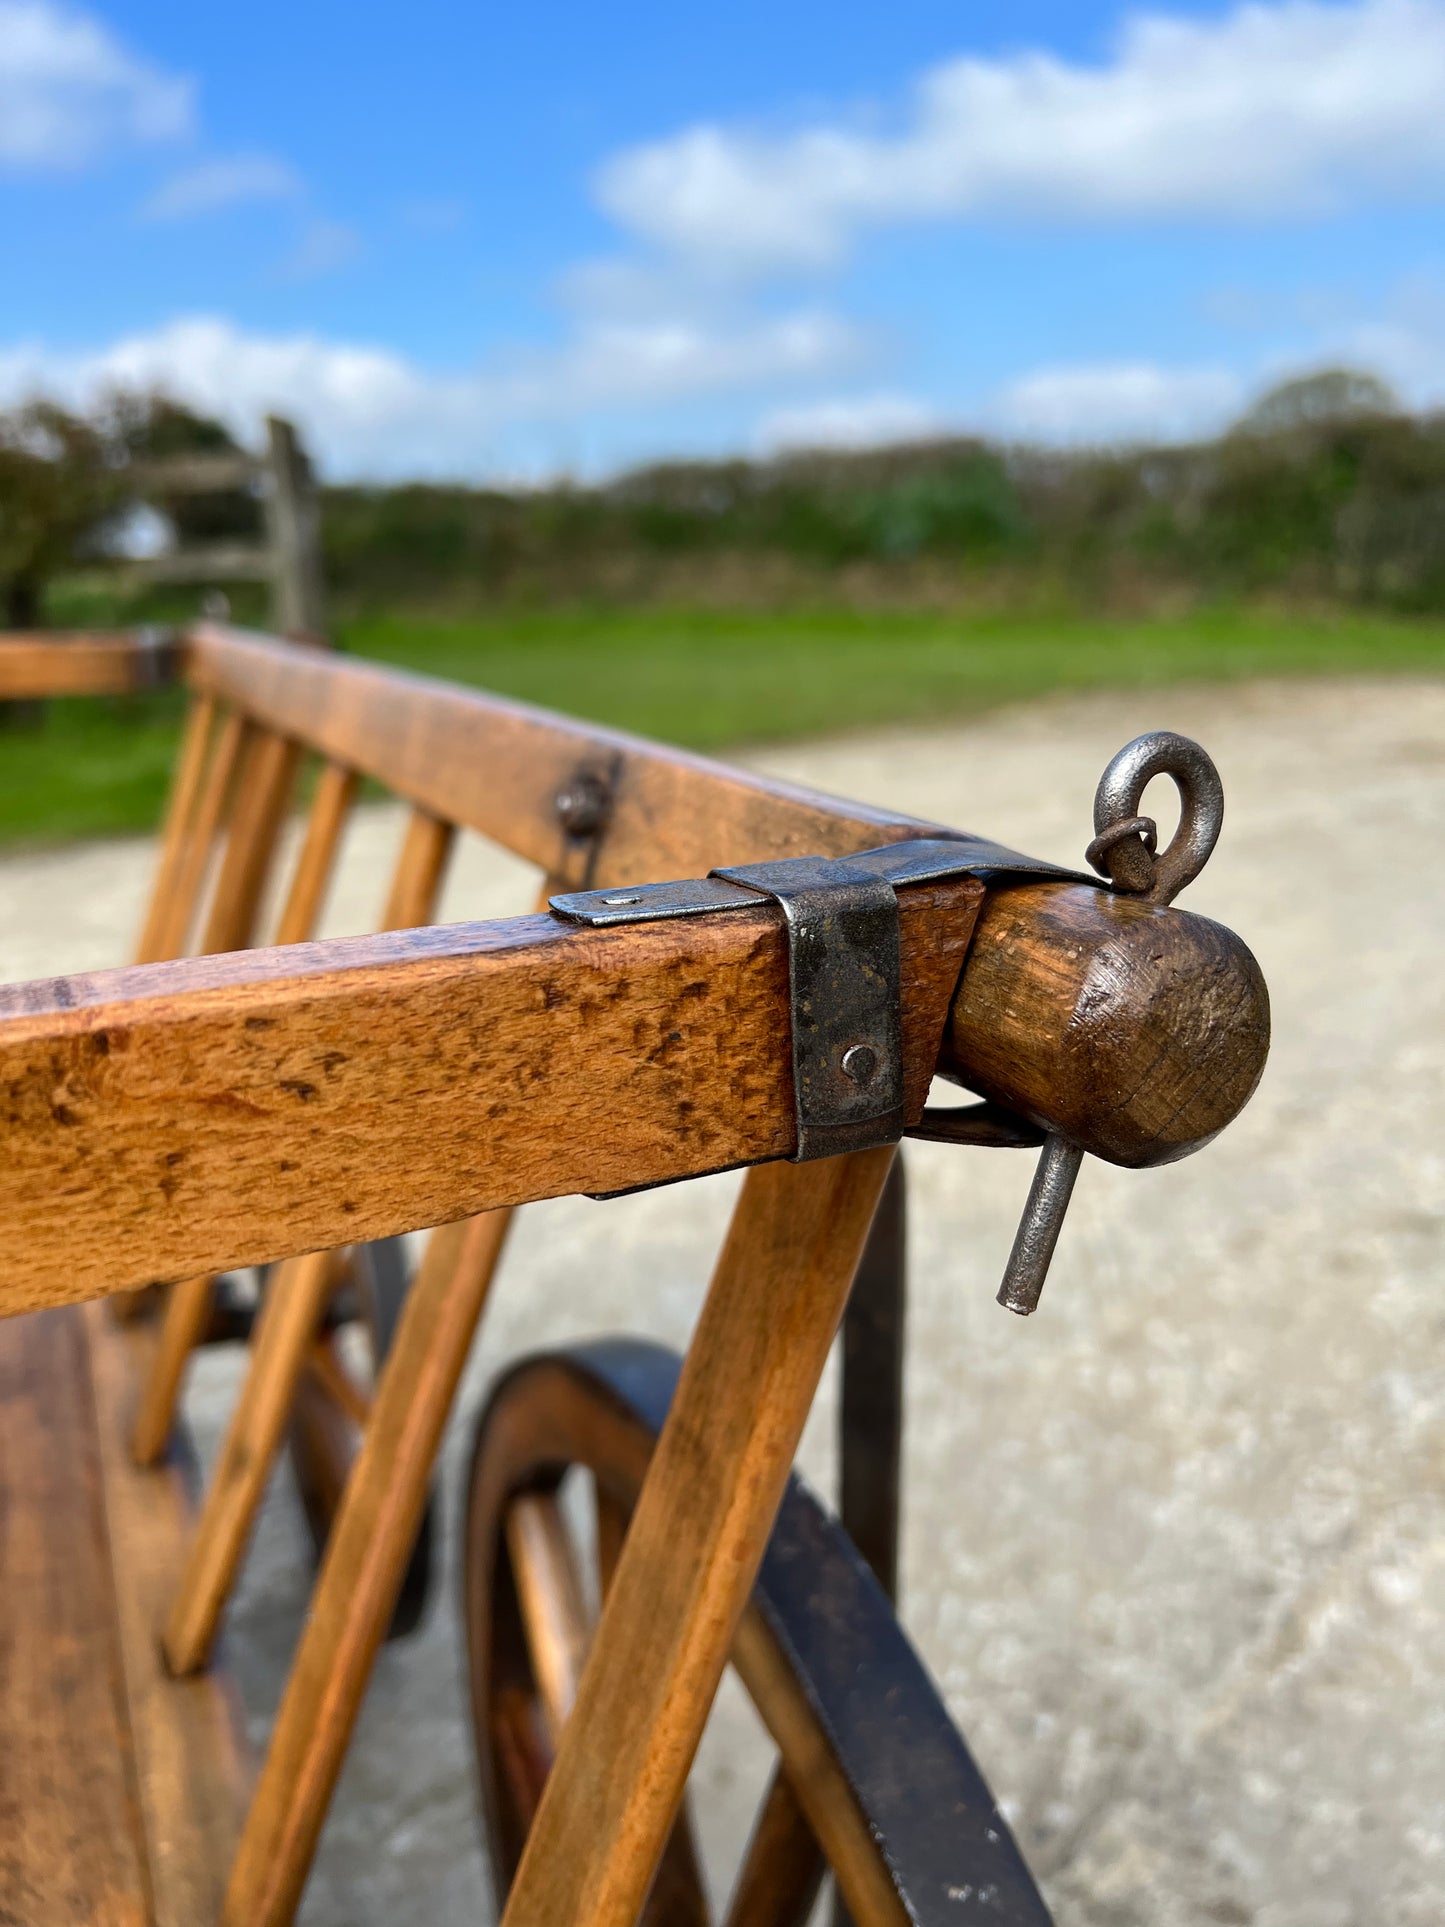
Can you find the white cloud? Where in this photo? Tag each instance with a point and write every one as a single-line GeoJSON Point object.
{"type": "Point", "coordinates": [70, 91]}
{"type": "Point", "coordinates": [370, 411]}
{"type": "Point", "coordinates": [849, 421]}
{"type": "Point", "coordinates": [1270, 110]}
{"type": "Point", "coordinates": [324, 247]}
{"type": "Point", "coordinates": [222, 183]}
{"type": "Point", "coordinates": [1116, 402]}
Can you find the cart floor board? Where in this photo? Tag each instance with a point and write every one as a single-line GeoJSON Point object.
{"type": "Point", "coordinates": [120, 1789]}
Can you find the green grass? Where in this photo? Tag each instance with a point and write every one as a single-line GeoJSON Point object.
{"type": "Point", "coordinates": [712, 680]}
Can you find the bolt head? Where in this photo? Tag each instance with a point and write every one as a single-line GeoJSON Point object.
{"type": "Point", "coordinates": [582, 804]}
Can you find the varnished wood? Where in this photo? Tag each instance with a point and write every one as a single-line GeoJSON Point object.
{"type": "Point", "coordinates": [419, 872]}
{"type": "Point", "coordinates": [340, 1387]}
{"type": "Point", "coordinates": [172, 927]}
{"type": "Point", "coordinates": [330, 808]}
{"type": "Point", "coordinates": [73, 662]}
{"type": "Point", "coordinates": [817, 1779]}
{"type": "Point", "coordinates": [189, 1117]}
{"type": "Point", "coordinates": [180, 810]}
{"type": "Point", "coordinates": [499, 767]}
{"type": "Point", "coordinates": [696, 1539]}
{"type": "Point", "coordinates": [550, 1594]}
{"type": "Point", "coordinates": [366, 1556]}
{"type": "Point", "coordinates": [186, 1737]}
{"type": "Point", "coordinates": [282, 1343]}
{"type": "Point", "coordinates": [1136, 1032]}
{"type": "Point", "coordinates": [183, 1320]}
{"type": "Point", "coordinates": [291, 1312]}
{"type": "Point", "coordinates": [782, 1869]}
{"type": "Point", "coordinates": [263, 796]}
{"type": "Point", "coordinates": [71, 1842]}
{"type": "Point", "coordinates": [182, 1326]}
{"type": "Point", "coordinates": [611, 1525]}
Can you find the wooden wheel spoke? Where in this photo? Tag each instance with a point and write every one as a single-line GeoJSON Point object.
{"type": "Point", "coordinates": [326, 1368]}
{"type": "Point", "coordinates": [554, 1609]}
{"type": "Point", "coordinates": [612, 1517]}
{"type": "Point", "coordinates": [783, 1868]}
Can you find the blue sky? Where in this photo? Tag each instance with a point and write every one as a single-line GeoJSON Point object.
{"type": "Point", "coordinates": [512, 241]}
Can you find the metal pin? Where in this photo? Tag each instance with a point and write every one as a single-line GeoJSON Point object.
{"type": "Point", "coordinates": [1039, 1228]}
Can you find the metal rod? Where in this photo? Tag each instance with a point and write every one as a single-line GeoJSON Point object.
{"type": "Point", "coordinates": [1039, 1228]}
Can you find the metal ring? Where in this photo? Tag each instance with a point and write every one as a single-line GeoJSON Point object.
{"type": "Point", "coordinates": [1201, 795]}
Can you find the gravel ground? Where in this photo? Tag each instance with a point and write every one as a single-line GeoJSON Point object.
{"type": "Point", "coordinates": [1175, 1548]}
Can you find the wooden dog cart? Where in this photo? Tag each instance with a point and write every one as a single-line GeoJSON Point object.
{"type": "Point", "coordinates": [290, 1105]}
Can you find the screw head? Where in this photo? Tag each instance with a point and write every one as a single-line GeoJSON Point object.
{"type": "Point", "coordinates": [860, 1061]}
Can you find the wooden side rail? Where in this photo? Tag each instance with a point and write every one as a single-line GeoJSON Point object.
{"type": "Point", "coordinates": [178, 1118]}
{"type": "Point", "coordinates": [587, 805]}
{"type": "Point", "coordinates": [173, 1119]}
{"type": "Point", "coordinates": [82, 662]}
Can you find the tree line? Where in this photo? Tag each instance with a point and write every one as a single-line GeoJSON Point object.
{"type": "Point", "coordinates": [1326, 489]}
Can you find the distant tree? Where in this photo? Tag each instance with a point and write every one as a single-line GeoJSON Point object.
{"type": "Point", "coordinates": [150, 427]}
{"type": "Point", "coordinates": [1320, 400]}
{"type": "Point", "coordinates": [57, 483]}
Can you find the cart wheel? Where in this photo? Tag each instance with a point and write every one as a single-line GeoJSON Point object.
{"type": "Point", "coordinates": [872, 1781]}
{"type": "Point", "coordinates": [331, 1409]}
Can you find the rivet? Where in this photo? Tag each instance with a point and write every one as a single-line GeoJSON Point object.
{"type": "Point", "coordinates": [860, 1061]}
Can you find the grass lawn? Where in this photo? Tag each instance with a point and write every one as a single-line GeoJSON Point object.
{"type": "Point", "coordinates": [712, 680]}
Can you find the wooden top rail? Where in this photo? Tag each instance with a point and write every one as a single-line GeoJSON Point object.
{"type": "Point", "coordinates": [591, 806]}
{"type": "Point", "coordinates": [81, 662]}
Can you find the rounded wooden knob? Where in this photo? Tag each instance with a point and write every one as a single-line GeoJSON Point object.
{"type": "Point", "coordinates": [1135, 1031]}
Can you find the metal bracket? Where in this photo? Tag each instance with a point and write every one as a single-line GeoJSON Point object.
{"type": "Point", "coordinates": [844, 996]}
{"type": "Point", "coordinates": [843, 966]}
{"type": "Point", "coordinates": [156, 657]}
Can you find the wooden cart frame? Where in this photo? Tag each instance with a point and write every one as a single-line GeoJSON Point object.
{"type": "Point", "coordinates": [243, 1106]}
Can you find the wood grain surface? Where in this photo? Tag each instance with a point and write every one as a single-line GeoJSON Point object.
{"type": "Point", "coordinates": [366, 1554]}
{"type": "Point", "coordinates": [695, 1542]}
{"type": "Point", "coordinates": [193, 1770]}
{"type": "Point", "coordinates": [71, 662]}
{"type": "Point", "coordinates": [170, 1119]}
{"type": "Point", "coordinates": [499, 767]}
{"type": "Point", "coordinates": [71, 1841]}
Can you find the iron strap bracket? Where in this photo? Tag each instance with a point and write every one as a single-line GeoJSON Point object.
{"type": "Point", "coordinates": [156, 657]}
{"type": "Point", "coordinates": [841, 916]}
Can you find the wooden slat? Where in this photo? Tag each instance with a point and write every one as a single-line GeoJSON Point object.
{"type": "Point", "coordinates": [177, 1118]}
{"type": "Point", "coordinates": [498, 767]}
{"type": "Point", "coordinates": [420, 869]}
{"type": "Point", "coordinates": [188, 1304]}
{"type": "Point", "coordinates": [209, 562]}
{"type": "Point", "coordinates": [323, 1365]}
{"type": "Point", "coordinates": [180, 810]}
{"type": "Point", "coordinates": [291, 1312]}
{"type": "Point", "coordinates": [263, 796]}
{"type": "Point", "coordinates": [191, 1762]}
{"type": "Point", "coordinates": [182, 1325]}
{"type": "Point", "coordinates": [71, 1844]}
{"type": "Point", "coordinates": [173, 924]}
{"type": "Point", "coordinates": [366, 1555]}
{"type": "Point", "coordinates": [696, 1540]}
{"type": "Point", "coordinates": [330, 808]}
{"type": "Point", "coordinates": [196, 474]}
